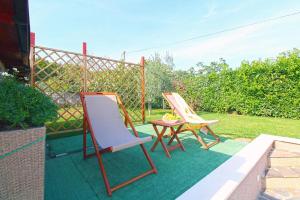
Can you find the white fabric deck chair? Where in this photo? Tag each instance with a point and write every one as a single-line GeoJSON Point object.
{"type": "Point", "coordinates": [193, 121]}
{"type": "Point", "coordinates": [108, 132]}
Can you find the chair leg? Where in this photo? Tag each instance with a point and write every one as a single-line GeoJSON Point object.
{"type": "Point", "coordinates": [103, 172]}
{"type": "Point", "coordinates": [149, 158]}
{"type": "Point", "coordinates": [84, 139]}
{"type": "Point", "coordinates": [101, 165]}
{"type": "Point", "coordinates": [199, 138]}
{"type": "Point", "coordinates": [131, 180]}
{"type": "Point", "coordinates": [153, 170]}
{"type": "Point", "coordinates": [205, 145]}
{"type": "Point", "coordinates": [213, 134]}
{"type": "Point", "coordinates": [110, 189]}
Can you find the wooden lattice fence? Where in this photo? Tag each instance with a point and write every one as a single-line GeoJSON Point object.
{"type": "Point", "coordinates": [61, 75]}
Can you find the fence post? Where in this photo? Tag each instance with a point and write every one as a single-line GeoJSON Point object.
{"type": "Point", "coordinates": [32, 57]}
{"type": "Point", "coordinates": [143, 87]}
{"type": "Point", "coordinates": [84, 52]}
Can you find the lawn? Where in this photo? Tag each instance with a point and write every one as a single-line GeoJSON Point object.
{"type": "Point", "coordinates": [242, 126]}
{"type": "Point", "coordinates": [230, 125]}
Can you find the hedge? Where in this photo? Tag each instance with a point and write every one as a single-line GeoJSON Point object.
{"type": "Point", "coordinates": [269, 87]}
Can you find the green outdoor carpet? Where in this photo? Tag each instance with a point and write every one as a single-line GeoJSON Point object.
{"type": "Point", "coordinates": [71, 177]}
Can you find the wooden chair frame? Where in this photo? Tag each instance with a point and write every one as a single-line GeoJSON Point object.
{"type": "Point", "coordinates": [87, 126]}
{"type": "Point", "coordinates": [193, 127]}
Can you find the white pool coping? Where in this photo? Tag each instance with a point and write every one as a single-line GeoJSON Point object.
{"type": "Point", "coordinates": [224, 180]}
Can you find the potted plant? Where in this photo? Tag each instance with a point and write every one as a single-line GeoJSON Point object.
{"type": "Point", "coordinates": [23, 112]}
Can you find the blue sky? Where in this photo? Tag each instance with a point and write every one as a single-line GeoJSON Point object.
{"type": "Point", "coordinates": [110, 27]}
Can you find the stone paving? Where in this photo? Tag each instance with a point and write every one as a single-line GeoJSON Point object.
{"type": "Point", "coordinates": [288, 194]}
{"type": "Point", "coordinates": [281, 153]}
{"type": "Point", "coordinates": [287, 172]}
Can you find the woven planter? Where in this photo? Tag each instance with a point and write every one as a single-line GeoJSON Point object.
{"type": "Point", "coordinates": [22, 163]}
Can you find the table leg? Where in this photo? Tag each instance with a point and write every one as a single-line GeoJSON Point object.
{"type": "Point", "coordinates": [171, 140]}
{"type": "Point", "coordinates": [174, 133]}
{"type": "Point", "coordinates": [168, 135]}
{"type": "Point", "coordinates": [159, 139]}
{"type": "Point", "coordinates": [175, 136]}
{"type": "Point", "coordinates": [172, 136]}
{"type": "Point", "coordinates": [179, 142]}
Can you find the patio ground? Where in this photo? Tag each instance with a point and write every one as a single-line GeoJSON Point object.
{"type": "Point", "coordinates": [71, 177]}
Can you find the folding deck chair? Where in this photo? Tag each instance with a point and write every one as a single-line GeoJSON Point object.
{"type": "Point", "coordinates": [193, 121]}
{"type": "Point", "coordinates": [103, 120]}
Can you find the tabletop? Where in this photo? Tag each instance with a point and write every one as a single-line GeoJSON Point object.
{"type": "Point", "coordinates": [161, 122]}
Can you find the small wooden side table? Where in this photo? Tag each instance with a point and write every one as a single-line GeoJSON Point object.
{"type": "Point", "coordinates": [160, 135]}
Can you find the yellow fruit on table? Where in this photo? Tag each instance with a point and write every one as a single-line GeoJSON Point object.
{"type": "Point", "coordinates": [170, 117]}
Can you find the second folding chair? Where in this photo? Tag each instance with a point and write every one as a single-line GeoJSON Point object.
{"type": "Point", "coordinates": [193, 122]}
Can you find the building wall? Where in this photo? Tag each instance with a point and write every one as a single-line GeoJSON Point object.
{"type": "Point", "coordinates": [251, 186]}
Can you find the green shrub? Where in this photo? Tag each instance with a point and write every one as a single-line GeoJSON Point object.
{"type": "Point", "coordinates": [262, 88]}
{"type": "Point", "coordinates": [22, 106]}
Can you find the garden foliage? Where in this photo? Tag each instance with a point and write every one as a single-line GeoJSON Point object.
{"type": "Point", "coordinates": [268, 87]}
{"type": "Point", "coordinates": [23, 106]}
{"type": "Point", "coordinates": [158, 78]}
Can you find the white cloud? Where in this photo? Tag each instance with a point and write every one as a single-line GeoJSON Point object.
{"type": "Point", "coordinates": [211, 11]}
{"type": "Point", "coordinates": [253, 42]}
{"type": "Point", "coordinates": [215, 45]}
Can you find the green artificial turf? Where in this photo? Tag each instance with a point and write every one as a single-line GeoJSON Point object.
{"type": "Point", "coordinates": [71, 177]}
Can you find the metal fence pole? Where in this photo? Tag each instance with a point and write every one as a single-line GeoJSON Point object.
{"type": "Point", "coordinates": [84, 52]}
{"type": "Point", "coordinates": [32, 58]}
{"type": "Point", "coordinates": [143, 87]}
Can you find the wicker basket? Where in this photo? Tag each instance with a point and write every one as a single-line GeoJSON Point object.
{"type": "Point", "coordinates": [22, 163]}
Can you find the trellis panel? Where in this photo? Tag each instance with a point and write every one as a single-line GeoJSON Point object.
{"type": "Point", "coordinates": [61, 75]}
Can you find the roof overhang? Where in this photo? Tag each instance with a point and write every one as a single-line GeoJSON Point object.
{"type": "Point", "coordinates": [14, 33]}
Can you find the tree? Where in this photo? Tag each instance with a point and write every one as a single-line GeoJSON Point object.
{"type": "Point", "coordinates": [215, 66]}
{"type": "Point", "coordinates": [158, 74]}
